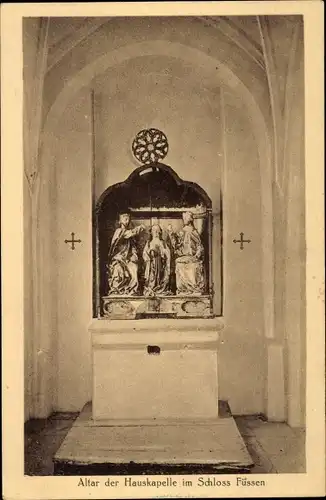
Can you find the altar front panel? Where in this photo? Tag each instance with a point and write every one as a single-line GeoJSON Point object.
{"type": "Point", "coordinates": [154, 374]}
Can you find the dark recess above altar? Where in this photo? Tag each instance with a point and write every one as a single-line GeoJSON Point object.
{"type": "Point", "coordinates": [154, 187]}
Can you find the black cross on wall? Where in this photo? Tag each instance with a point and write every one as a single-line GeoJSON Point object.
{"type": "Point", "coordinates": [241, 241]}
{"type": "Point", "coordinates": [72, 241]}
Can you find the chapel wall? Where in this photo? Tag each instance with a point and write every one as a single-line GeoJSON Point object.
{"type": "Point", "coordinates": [242, 350]}
{"type": "Point", "coordinates": [161, 93]}
{"type": "Point", "coordinates": [72, 163]}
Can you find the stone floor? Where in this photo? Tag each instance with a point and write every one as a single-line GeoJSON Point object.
{"type": "Point", "coordinates": [274, 447]}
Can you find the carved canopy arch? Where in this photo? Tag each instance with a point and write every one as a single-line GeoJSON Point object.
{"type": "Point", "coordinates": [144, 176]}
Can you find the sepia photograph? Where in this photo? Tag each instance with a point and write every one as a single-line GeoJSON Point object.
{"type": "Point", "coordinates": [164, 244]}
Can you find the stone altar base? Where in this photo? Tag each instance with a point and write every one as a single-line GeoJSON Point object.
{"type": "Point", "coordinates": [200, 447]}
{"type": "Point", "coordinates": [159, 369]}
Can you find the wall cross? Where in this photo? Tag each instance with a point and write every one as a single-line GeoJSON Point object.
{"type": "Point", "coordinates": [241, 241]}
{"type": "Point", "coordinates": [72, 241]}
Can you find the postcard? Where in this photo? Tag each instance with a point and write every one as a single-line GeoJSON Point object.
{"type": "Point", "coordinates": [162, 255]}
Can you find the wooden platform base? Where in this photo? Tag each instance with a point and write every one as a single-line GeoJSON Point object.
{"type": "Point", "coordinates": [212, 447]}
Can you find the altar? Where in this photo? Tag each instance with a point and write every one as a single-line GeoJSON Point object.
{"type": "Point", "coordinates": [154, 340]}
{"type": "Point", "coordinates": [155, 329]}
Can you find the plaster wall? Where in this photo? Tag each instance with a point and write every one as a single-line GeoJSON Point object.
{"type": "Point", "coordinates": [163, 93]}
{"type": "Point", "coordinates": [74, 267]}
{"type": "Point", "coordinates": [242, 357]}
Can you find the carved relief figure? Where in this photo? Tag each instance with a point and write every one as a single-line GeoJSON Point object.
{"type": "Point", "coordinates": [189, 252]}
{"type": "Point", "coordinates": [157, 258]}
{"type": "Point", "coordinates": [123, 259]}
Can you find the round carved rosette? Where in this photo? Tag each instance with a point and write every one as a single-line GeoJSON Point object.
{"type": "Point", "coordinates": [150, 146]}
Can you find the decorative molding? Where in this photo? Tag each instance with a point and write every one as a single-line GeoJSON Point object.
{"type": "Point", "coordinates": [143, 344]}
{"type": "Point", "coordinates": [167, 327]}
{"type": "Point", "coordinates": [173, 306]}
{"type": "Point", "coordinates": [124, 309]}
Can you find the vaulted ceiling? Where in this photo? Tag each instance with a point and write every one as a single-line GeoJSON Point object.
{"type": "Point", "coordinates": [64, 34]}
{"type": "Point", "coordinates": [251, 57]}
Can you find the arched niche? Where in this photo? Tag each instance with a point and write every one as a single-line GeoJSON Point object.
{"type": "Point", "coordinates": [156, 201]}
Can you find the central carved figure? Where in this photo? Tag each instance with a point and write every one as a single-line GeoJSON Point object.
{"type": "Point", "coordinates": [157, 258]}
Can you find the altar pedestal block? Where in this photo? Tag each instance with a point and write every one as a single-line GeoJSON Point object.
{"type": "Point", "coordinates": [155, 404]}
{"type": "Point", "coordinates": [154, 369]}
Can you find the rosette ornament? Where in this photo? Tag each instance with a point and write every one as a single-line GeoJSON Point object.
{"type": "Point", "coordinates": [150, 146]}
